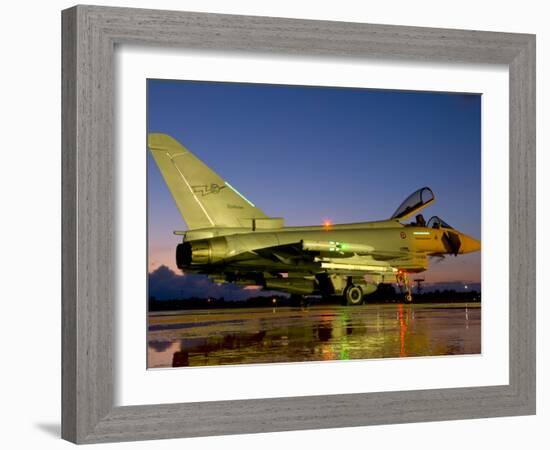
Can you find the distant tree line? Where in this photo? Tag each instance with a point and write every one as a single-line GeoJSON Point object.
{"type": "Point", "coordinates": [212, 302]}
{"type": "Point", "coordinates": [386, 293]}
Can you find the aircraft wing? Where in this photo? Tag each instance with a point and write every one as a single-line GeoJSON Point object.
{"type": "Point", "coordinates": [287, 253]}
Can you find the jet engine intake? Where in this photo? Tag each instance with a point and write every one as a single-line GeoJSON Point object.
{"type": "Point", "coordinates": [451, 241]}
{"type": "Point", "coordinates": [203, 251]}
{"type": "Point", "coordinates": [368, 288]}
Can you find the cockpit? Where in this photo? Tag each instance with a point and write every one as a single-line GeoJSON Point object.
{"type": "Point", "coordinates": [437, 223]}
{"type": "Point", "coordinates": [412, 205]}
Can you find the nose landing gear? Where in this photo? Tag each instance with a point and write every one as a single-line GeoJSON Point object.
{"type": "Point", "coordinates": [404, 282]}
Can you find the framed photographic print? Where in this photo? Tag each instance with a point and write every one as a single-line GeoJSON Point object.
{"type": "Point", "coordinates": [245, 287]}
{"type": "Point", "coordinates": [278, 224]}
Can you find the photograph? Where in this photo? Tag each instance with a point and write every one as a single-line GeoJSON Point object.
{"type": "Point", "coordinates": [265, 225]}
{"type": "Point", "coordinates": [311, 223]}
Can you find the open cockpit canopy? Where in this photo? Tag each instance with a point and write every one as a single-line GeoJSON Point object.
{"type": "Point", "coordinates": [414, 203]}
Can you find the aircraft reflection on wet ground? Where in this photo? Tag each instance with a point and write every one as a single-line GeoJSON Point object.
{"type": "Point", "coordinates": [317, 333]}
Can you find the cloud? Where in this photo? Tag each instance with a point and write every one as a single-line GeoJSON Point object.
{"type": "Point", "coordinates": [165, 284]}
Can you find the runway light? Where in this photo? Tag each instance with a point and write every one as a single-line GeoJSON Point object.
{"type": "Point", "coordinates": [274, 301]}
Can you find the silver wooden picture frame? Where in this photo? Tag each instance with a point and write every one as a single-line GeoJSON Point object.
{"type": "Point", "coordinates": [90, 34]}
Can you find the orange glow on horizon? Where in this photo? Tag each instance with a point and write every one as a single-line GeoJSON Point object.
{"type": "Point", "coordinates": [252, 287]}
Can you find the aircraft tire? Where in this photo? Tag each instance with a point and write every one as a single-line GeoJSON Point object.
{"type": "Point", "coordinates": [353, 295]}
{"type": "Point", "coordinates": [408, 298]}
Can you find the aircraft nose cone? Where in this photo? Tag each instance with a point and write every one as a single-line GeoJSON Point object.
{"type": "Point", "coordinates": [469, 244]}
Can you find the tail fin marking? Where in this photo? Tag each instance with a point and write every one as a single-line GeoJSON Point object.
{"type": "Point", "coordinates": [203, 198]}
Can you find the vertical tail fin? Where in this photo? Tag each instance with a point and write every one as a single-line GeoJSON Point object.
{"type": "Point", "coordinates": [203, 198]}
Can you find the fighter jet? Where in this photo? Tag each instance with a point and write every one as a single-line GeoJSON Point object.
{"type": "Point", "coordinates": [233, 241]}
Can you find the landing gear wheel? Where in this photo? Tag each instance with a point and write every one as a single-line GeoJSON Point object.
{"type": "Point", "coordinates": [408, 298]}
{"type": "Point", "coordinates": [353, 295]}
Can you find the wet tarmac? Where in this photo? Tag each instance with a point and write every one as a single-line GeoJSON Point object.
{"type": "Point", "coordinates": [316, 333]}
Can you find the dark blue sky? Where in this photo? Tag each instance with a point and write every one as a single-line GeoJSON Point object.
{"type": "Point", "coordinates": [312, 153]}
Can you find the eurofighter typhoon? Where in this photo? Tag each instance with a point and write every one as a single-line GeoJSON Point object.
{"type": "Point", "coordinates": [231, 240]}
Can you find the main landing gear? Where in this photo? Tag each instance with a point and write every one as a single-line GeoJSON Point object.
{"type": "Point", "coordinates": [404, 282]}
{"type": "Point", "coordinates": [353, 294]}
{"type": "Point", "coordinates": [347, 289]}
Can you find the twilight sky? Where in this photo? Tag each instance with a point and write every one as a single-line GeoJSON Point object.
{"type": "Point", "coordinates": [314, 153]}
